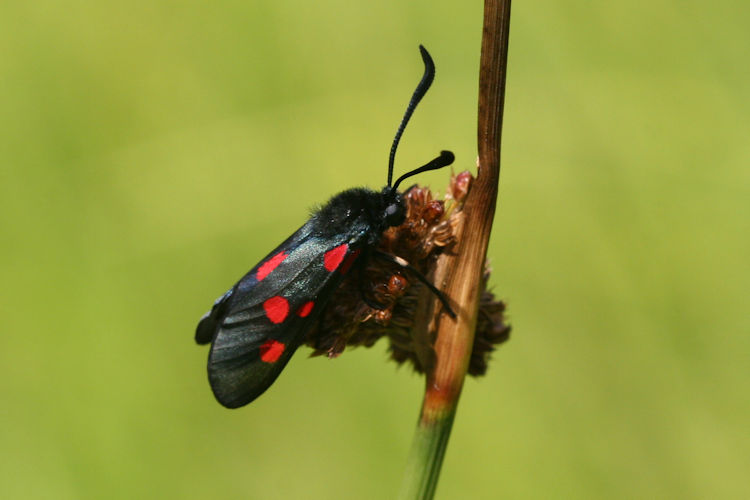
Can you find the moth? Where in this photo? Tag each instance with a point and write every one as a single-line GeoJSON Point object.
{"type": "Point", "coordinates": [256, 326]}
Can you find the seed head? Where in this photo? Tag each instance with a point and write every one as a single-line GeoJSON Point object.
{"type": "Point", "coordinates": [383, 300]}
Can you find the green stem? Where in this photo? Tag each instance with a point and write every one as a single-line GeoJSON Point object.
{"type": "Point", "coordinates": [426, 458]}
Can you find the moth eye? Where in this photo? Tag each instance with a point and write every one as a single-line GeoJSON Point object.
{"type": "Point", "coordinates": [394, 214]}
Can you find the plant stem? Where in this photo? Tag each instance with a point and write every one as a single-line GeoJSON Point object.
{"type": "Point", "coordinates": [460, 271]}
{"type": "Point", "coordinates": [423, 468]}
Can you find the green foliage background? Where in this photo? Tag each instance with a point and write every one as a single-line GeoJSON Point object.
{"type": "Point", "coordinates": [151, 152]}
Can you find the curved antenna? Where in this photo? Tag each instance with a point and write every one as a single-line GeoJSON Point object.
{"type": "Point", "coordinates": [419, 92]}
{"type": "Point", "coordinates": [445, 159]}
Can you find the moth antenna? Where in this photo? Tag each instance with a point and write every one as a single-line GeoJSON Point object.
{"type": "Point", "coordinates": [419, 92]}
{"type": "Point", "coordinates": [445, 159]}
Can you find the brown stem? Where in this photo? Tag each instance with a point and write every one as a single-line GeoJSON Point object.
{"type": "Point", "coordinates": [463, 269]}
{"type": "Point", "coordinates": [460, 272]}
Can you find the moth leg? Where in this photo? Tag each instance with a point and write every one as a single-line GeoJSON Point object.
{"type": "Point", "coordinates": [405, 265]}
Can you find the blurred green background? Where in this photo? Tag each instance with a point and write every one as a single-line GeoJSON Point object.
{"type": "Point", "coordinates": [152, 152]}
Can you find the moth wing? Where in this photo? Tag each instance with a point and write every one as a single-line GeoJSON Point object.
{"type": "Point", "coordinates": [209, 324]}
{"type": "Point", "coordinates": [257, 325]}
{"type": "Point", "coordinates": [247, 358]}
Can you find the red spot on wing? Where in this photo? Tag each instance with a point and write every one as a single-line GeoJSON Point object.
{"type": "Point", "coordinates": [271, 264]}
{"type": "Point", "coordinates": [277, 309]}
{"type": "Point", "coordinates": [271, 351]}
{"type": "Point", "coordinates": [305, 309]}
{"type": "Point", "coordinates": [349, 261]}
{"type": "Point", "coordinates": [333, 257]}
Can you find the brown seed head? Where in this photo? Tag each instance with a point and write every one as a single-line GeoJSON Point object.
{"type": "Point", "coordinates": [383, 300]}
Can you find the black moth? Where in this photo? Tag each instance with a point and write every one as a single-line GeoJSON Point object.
{"type": "Point", "coordinates": [255, 327]}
